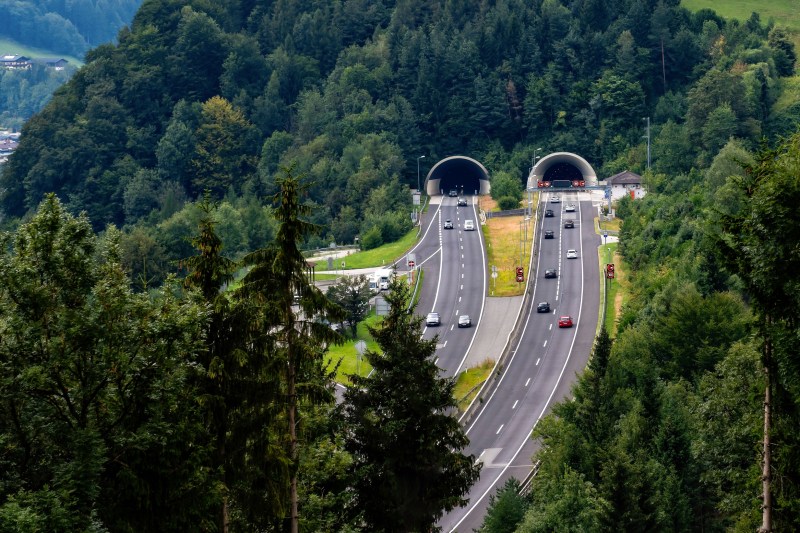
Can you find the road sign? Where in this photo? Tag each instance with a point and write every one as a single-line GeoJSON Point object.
{"type": "Point", "coordinates": [411, 264]}
{"type": "Point", "coordinates": [610, 270]}
{"type": "Point", "coordinates": [494, 275]}
{"type": "Point", "coordinates": [520, 275]}
{"type": "Point", "coordinates": [361, 347]}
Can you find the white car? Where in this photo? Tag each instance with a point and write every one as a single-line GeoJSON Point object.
{"type": "Point", "coordinates": [569, 208]}
{"type": "Point", "coordinates": [572, 254]}
{"type": "Point", "coordinates": [555, 200]}
{"type": "Point", "coordinates": [432, 319]}
{"type": "Point", "coordinates": [469, 225]}
{"type": "Point", "coordinates": [464, 321]}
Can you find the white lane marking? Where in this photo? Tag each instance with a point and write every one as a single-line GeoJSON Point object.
{"type": "Point", "coordinates": [436, 361]}
{"type": "Point", "coordinates": [445, 344]}
{"type": "Point", "coordinates": [500, 429]}
{"type": "Point", "coordinates": [462, 276]}
{"type": "Point", "coordinates": [515, 404]}
{"type": "Point", "coordinates": [459, 299]}
{"type": "Point", "coordinates": [545, 344]}
{"type": "Point", "coordinates": [452, 326]}
{"type": "Point", "coordinates": [527, 382]}
{"type": "Point", "coordinates": [537, 361]}
{"type": "Point", "coordinates": [551, 327]}
{"type": "Point", "coordinates": [462, 287]}
{"type": "Point", "coordinates": [525, 440]}
{"type": "Point", "coordinates": [462, 264]}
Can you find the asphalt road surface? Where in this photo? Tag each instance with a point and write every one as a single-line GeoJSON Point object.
{"type": "Point", "coordinates": [545, 361]}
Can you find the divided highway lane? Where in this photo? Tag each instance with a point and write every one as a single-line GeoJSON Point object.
{"type": "Point", "coordinates": [543, 365]}
{"type": "Point", "coordinates": [460, 287]}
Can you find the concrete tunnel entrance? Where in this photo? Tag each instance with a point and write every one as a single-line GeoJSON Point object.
{"type": "Point", "coordinates": [460, 173]}
{"type": "Point", "coordinates": [562, 168]}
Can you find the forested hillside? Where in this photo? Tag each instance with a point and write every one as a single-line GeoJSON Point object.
{"type": "Point", "coordinates": [667, 427]}
{"type": "Point", "coordinates": [220, 97]}
{"type": "Point", "coordinates": [68, 28]}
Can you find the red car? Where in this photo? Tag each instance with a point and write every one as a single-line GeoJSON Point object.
{"type": "Point", "coordinates": [565, 322]}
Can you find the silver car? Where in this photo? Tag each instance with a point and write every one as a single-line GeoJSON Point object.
{"type": "Point", "coordinates": [432, 319]}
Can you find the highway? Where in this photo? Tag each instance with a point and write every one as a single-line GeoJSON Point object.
{"type": "Point", "coordinates": [454, 279]}
{"type": "Point", "coordinates": [544, 362]}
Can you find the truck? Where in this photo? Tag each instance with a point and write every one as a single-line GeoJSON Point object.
{"type": "Point", "coordinates": [380, 279]}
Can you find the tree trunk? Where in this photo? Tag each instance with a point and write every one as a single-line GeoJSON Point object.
{"type": "Point", "coordinates": [766, 475]}
{"type": "Point", "coordinates": [295, 521]}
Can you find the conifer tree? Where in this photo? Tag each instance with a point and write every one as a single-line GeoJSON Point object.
{"type": "Point", "coordinates": [408, 467]}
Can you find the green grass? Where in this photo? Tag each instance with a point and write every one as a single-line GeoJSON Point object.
{"type": "Point", "coordinates": [346, 354]}
{"type": "Point", "coordinates": [8, 46]}
{"type": "Point", "coordinates": [607, 252]}
{"type": "Point", "coordinates": [502, 235]}
{"type": "Point", "coordinates": [468, 383]}
{"type": "Point", "coordinates": [382, 255]}
{"type": "Point", "coordinates": [784, 12]}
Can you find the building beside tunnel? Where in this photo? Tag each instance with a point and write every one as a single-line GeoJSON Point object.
{"type": "Point", "coordinates": [625, 184]}
{"type": "Point", "coordinates": [460, 173]}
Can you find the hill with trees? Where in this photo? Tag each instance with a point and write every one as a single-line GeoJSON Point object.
{"type": "Point", "coordinates": [208, 104]}
{"type": "Point", "coordinates": [195, 97]}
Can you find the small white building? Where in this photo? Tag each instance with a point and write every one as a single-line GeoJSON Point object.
{"type": "Point", "coordinates": [625, 184]}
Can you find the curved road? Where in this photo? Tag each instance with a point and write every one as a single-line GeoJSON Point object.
{"type": "Point", "coordinates": [544, 362]}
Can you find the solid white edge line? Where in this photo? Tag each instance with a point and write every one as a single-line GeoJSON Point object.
{"type": "Point", "coordinates": [546, 405]}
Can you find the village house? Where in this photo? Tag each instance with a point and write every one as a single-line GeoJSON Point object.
{"type": "Point", "coordinates": [625, 184]}
{"type": "Point", "coordinates": [18, 62]}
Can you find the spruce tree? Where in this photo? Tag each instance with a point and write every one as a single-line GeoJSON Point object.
{"type": "Point", "coordinates": [408, 467]}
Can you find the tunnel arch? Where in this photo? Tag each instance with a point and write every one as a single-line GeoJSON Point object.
{"type": "Point", "coordinates": [562, 166]}
{"type": "Point", "coordinates": [459, 172]}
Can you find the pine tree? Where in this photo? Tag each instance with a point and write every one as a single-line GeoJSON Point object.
{"type": "Point", "coordinates": [408, 467]}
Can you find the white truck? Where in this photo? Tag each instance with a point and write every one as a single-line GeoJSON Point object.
{"type": "Point", "coordinates": [380, 279]}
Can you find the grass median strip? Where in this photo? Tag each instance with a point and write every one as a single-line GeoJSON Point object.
{"type": "Point", "coordinates": [469, 383]}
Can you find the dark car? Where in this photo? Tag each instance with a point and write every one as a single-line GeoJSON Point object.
{"type": "Point", "coordinates": [462, 201]}
{"type": "Point", "coordinates": [548, 213]}
{"type": "Point", "coordinates": [569, 224]}
{"type": "Point", "coordinates": [543, 307]}
{"type": "Point", "coordinates": [551, 273]}
{"type": "Point", "coordinates": [453, 192]}
{"type": "Point", "coordinates": [548, 234]}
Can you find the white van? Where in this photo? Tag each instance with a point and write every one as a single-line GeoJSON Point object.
{"type": "Point", "coordinates": [468, 225]}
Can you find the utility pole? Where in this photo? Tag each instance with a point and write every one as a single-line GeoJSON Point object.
{"type": "Point", "coordinates": [648, 141]}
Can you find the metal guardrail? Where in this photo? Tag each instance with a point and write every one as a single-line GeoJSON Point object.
{"type": "Point", "coordinates": [507, 213]}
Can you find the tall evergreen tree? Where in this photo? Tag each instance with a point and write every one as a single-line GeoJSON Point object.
{"type": "Point", "coordinates": [291, 338]}
{"type": "Point", "coordinates": [408, 466]}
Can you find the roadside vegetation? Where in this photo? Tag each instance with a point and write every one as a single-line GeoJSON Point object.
{"type": "Point", "coordinates": [469, 382]}
{"type": "Point", "coordinates": [508, 245]}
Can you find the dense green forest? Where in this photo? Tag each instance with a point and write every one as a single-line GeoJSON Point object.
{"type": "Point", "coordinates": [66, 27]}
{"type": "Point", "coordinates": [124, 410]}
{"type": "Point", "coordinates": [25, 92]}
{"type": "Point", "coordinates": [221, 97]}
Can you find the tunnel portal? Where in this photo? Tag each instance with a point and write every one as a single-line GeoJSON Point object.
{"type": "Point", "coordinates": [460, 173]}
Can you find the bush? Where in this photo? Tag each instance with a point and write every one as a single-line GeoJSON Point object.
{"type": "Point", "coordinates": [372, 238]}
{"type": "Point", "coordinates": [508, 202]}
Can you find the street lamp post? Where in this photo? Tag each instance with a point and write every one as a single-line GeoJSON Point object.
{"type": "Point", "coordinates": [420, 157]}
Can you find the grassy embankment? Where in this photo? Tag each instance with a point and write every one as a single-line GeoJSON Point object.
{"type": "Point", "coordinates": [617, 288]}
{"type": "Point", "coordinates": [503, 237]}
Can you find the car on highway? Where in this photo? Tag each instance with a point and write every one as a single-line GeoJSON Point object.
{"type": "Point", "coordinates": [548, 213]}
{"type": "Point", "coordinates": [462, 201]}
{"type": "Point", "coordinates": [569, 224]}
{"type": "Point", "coordinates": [464, 321]}
{"type": "Point", "coordinates": [543, 307]}
{"type": "Point", "coordinates": [569, 208]}
{"type": "Point", "coordinates": [448, 224]}
{"type": "Point", "coordinates": [555, 200]}
{"type": "Point", "coordinates": [453, 193]}
{"type": "Point", "coordinates": [432, 319]}
{"type": "Point", "coordinates": [551, 273]}
{"type": "Point", "coordinates": [565, 322]}
{"type": "Point", "coordinates": [549, 234]}
{"type": "Point", "coordinates": [469, 225]}
{"type": "Point", "coordinates": [572, 254]}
